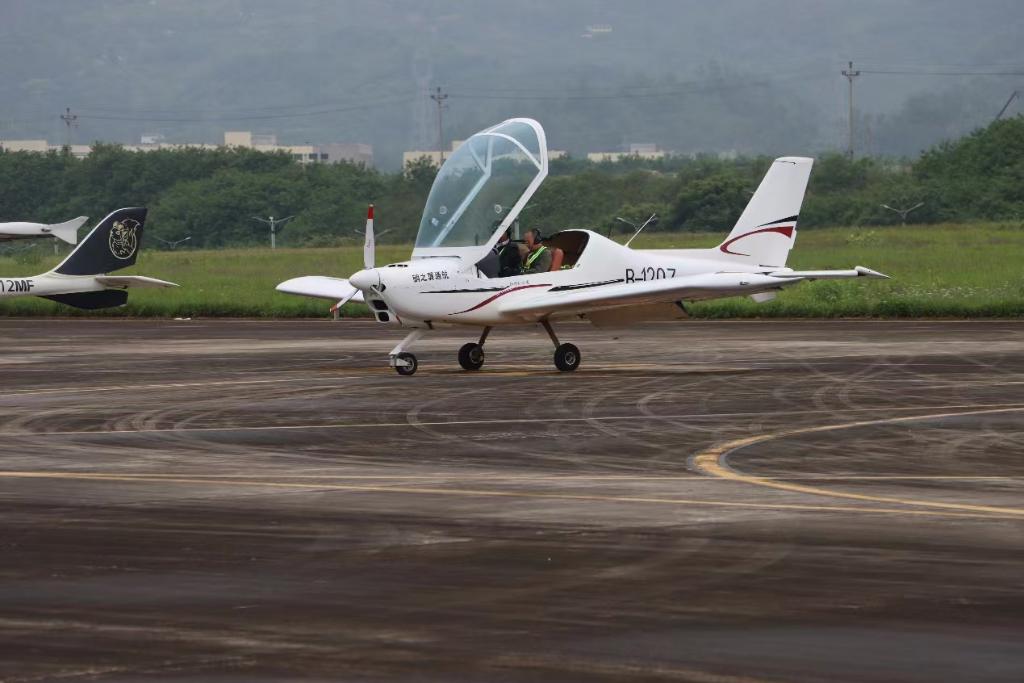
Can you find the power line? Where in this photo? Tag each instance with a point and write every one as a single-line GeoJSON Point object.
{"type": "Point", "coordinates": [690, 88]}
{"type": "Point", "coordinates": [911, 72]}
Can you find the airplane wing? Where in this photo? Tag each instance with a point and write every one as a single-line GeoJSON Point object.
{"type": "Point", "coordinates": [131, 281]}
{"type": "Point", "coordinates": [580, 298]}
{"type": "Point", "coordinates": [320, 287]}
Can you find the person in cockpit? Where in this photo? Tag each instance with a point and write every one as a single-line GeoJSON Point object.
{"type": "Point", "coordinates": [508, 255]}
{"type": "Point", "coordinates": [538, 257]}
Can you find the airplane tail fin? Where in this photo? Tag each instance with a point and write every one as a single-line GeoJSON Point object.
{"type": "Point", "coordinates": [766, 230]}
{"type": "Point", "coordinates": [113, 244]}
{"type": "Point", "coordinates": [68, 230]}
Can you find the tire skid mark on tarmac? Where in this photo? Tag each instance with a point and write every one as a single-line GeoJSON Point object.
{"type": "Point", "coordinates": [997, 407]}
{"type": "Point", "coordinates": [713, 462]}
{"type": "Point", "coordinates": [950, 509]}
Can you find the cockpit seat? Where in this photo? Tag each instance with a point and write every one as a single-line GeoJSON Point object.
{"type": "Point", "coordinates": [557, 258]}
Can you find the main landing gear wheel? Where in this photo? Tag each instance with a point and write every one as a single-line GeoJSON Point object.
{"type": "Point", "coordinates": [410, 364]}
{"type": "Point", "coordinates": [471, 356]}
{"type": "Point", "coordinates": [567, 357]}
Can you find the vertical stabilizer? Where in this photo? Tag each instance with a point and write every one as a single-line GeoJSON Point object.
{"type": "Point", "coordinates": [113, 244]}
{"type": "Point", "coordinates": [766, 230]}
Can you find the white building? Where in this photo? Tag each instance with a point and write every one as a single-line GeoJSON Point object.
{"type": "Point", "coordinates": [435, 157]}
{"type": "Point", "coordinates": [331, 153]}
{"type": "Point", "coordinates": [639, 150]}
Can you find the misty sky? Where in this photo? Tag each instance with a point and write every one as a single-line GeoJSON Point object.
{"type": "Point", "coordinates": [743, 75]}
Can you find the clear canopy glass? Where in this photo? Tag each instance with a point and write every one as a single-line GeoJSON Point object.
{"type": "Point", "coordinates": [483, 185]}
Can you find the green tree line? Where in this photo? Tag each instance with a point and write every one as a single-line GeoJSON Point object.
{"type": "Point", "coordinates": [212, 195]}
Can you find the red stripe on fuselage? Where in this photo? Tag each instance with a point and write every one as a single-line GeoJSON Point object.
{"type": "Point", "coordinates": [786, 230]}
{"type": "Point", "coordinates": [499, 294]}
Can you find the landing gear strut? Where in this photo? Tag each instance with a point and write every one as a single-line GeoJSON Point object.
{"type": "Point", "coordinates": [403, 362]}
{"type": "Point", "coordinates": [471, 356]}
{"type": "Point", "coordinates": [567, 356]}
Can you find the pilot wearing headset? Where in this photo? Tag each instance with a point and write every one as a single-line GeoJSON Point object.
{"type": "Point", "coordinates": [538, 257]}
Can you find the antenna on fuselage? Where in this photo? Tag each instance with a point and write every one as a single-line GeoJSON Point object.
{"type": "Point", "coordinates": [650, 221]}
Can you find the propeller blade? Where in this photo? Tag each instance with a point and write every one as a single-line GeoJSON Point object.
{"type": "Point", "coordinates": [368, 245]}
{"type": "Point", "coordinates": [344, 300]}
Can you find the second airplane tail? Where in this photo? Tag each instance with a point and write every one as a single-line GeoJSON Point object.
{"type": "Point", "coordinates": [68, 230]}
{"type": "Point", "coordinates": [766, 230]}
{"type": "Point", "coordinates": [112, 245]}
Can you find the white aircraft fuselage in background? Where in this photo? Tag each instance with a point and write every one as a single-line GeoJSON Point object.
{"type": "Point", "coordinates": [478, 194]}
{"type": "Point", "coordinates": [67, 231]}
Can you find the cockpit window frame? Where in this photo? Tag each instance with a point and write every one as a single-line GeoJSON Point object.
{"type": "Point", "coordinates": [540, 162]}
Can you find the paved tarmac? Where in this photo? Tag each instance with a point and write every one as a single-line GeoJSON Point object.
{"type": "Point", "coordinates": [728, 502]}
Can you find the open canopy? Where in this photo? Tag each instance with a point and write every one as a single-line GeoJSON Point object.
{"type": "Point", "coordinates": [481, 188]}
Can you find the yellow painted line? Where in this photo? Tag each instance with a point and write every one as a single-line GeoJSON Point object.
{"type": "Point", "coordinates": [490, 493]}
{"type": "Point", "coordinates": [712, 462]}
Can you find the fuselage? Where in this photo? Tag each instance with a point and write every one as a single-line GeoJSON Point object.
{"type": "Point", "coordinates": [48, 284]}
{"type": "Point", "coordinates": [21, 230]}
{"type": "Point", "coordinates": [445, 290]}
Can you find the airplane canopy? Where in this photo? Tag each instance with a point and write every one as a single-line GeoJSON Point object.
{"type": "Point", "coordinates": [481, 189]}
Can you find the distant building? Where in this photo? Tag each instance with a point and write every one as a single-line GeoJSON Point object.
{"type": "Point", "coordinates": [352, 152]}
{"type": "Point", "coordinates": [330, 153]}
{"type": "Point", "coordinates": [79, 151]}
{"type": "Point", "coordinates": [596, 30]}
{"type": "Point", "coordinates": [434, 156]}
{"type": "Point", "coordinates": [25, 145]}
{"type": "Point", "coordinates": [641, 150]}
{"type": "Point", "coordinates": [431, 155]}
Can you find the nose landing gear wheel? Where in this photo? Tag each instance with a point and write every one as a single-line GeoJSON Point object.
{"type": "Point", "coordinates": [567, 357]}
{"type": "Point", "coordinates": [410, 364]}
{"type": "Point", "coordinates": [471, 356]}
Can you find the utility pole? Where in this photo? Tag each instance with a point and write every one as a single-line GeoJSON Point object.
{"type": "Point", "coordinates": [69, 120]}
{"type": "Point", "coordinates": [850, 75]}
{"type": "Point", "coordinates": [273, 223]}
{"type": "Point", "coordinates": [440, 97]}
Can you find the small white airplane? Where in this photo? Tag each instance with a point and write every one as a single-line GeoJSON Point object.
{"type": "Point", "coordinates": [67, 231]}
{"type": "Point", "coordinates": [81, 279]}
{"type": "Point", "coordinates": [478, 194]}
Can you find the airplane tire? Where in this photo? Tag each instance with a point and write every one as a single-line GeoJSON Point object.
{"type": "Point", "coordinates": [471, 356]}
{"type": "Point", "coordinates": [567, 357]}
{"type": "Point", "coordinates": [409, 369]}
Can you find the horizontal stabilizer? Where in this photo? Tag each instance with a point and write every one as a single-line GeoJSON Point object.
{"type": "Point", "coordinates": [132, 281]}
{"type": "Point", "coordinates": [68, 230]}
{"type": "Point", "coordinates": [92, 301]}
{"type": "Point", "coordinates": [321, 287]}
{"type": "Point", "coordinates": [858, 271]}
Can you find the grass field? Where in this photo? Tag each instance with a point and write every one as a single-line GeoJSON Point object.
{"type": "Point", "coordinates": [940, 270]}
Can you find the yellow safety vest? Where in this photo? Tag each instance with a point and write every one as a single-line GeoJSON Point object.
{"type": "Point", "coordinates": [533, 257]}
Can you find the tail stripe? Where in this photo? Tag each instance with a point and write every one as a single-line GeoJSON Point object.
{"type": "Point", "coordinates": [786, 230]}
